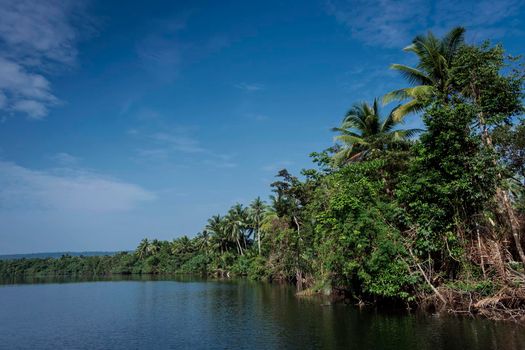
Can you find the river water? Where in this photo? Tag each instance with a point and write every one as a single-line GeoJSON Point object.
{"type": "Point", "coordinates": [197, 314]}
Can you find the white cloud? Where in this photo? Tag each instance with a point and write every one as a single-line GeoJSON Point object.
{"type": "Point", "coordinates": [24, 92]}
{"type": "Point", "coordinates": [34, 109]}
{"type": "Point", "coordinates": [391, 23]}
{"type": "Point", "coordinates": [36, 37]}
{"type": "Point", "coordinates": [66, 190]}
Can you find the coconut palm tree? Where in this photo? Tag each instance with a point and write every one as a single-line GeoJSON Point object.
{"type": "Point", "coordinates": [143, 249]}
{"type": "Point", "coordinates": [363, 130]}
{"type": "Point", "coordinates": [431, 76]}
{"type": "Point", "coordinates": [204, 242]}
{"type": "Point", "coordinates": [236, 225]}
{"type": "Point", "coordinates": [154, 247]}
{"type": "Point", "coordinates": [257, 210]}
{"type": "Point", "coordinates": [217, 228]}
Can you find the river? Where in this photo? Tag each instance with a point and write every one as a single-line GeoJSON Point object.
{"type": "Point", "coordinates": [185, 313]}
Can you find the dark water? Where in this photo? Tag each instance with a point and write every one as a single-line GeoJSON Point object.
{"type": "Point", "coordinates": [192, 314]}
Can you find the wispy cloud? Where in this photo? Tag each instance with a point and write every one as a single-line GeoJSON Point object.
{"type": "Point", "coordinates": [381, 22]}
{"type": "Point", "coordinates": [36, 38]}
{"type": "Point", "coordinates": [163, 50]}
{"type": "Point", "coordinates": [391, 23]}
{"type": "Point", "coordinates": [66, 190]}
{"type": "Point", "coordinates": [174, 142]}
{"type": "Point", "coordinates": [170, 140]}
{"type": "Point", "coordinates": [65, 159]}
{"type": "Point", "coordinates": [484, 19]}
{"type": "Point", "coordinates": [178, 141]}
{"type": "Point", "coordinates": [249, 87]}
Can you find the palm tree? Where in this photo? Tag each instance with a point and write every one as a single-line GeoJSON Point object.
{"type": "Point", "coordinates": [432, 75]}
{"type": "Point", "coordinates": [363, 130]}
{"type": "Point", "coordinates": [143, 249]}
{"type": "Point", "coordinates": [236, 224]}
{"type": "Point", "coordinates": [217, 227]}
{"type": "Point", "coordinates": [154, 247]}
{"type": "Point", "coordinates": [204, 242]}
{"type": "Point", "coordinates": [256, 215]}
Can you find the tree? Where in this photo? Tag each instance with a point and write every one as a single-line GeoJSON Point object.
{"type": "Point", "coordinates": [290, 199]}
{"type": "Point", "coordinates": [182, 246]}
{"type": "Point", "coordinates": [204, 242]}
{"type": "Point", "coordinates": [236, 224]}
{"type": "Point", "coordinates": [154, 247]}
{"type": "Point", "coordinates": [143, 249]}
{"type": "Point", "coordinates": [219, 237]}
{"type": "Point", "coordinates": [432, 74]}
{"type": "Point", "coordinates": [256, 214]}
{"type": "Point", "coordinates": [363, 130]}
{"type": "Point", "coordinates": [497, 98]}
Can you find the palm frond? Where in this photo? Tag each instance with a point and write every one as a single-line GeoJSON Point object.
{"type": "Point", "coordinates": [390, 121]}
{"type": "Point", "coordinates": [414, 106]}
{"type": "Point", "coordinates": [396, 95]}
{"type": "Point", "coordinates": [345, 131]}
{"type": "Point", "coordinates": [412, 75]}
{"type": "Point", "coordinates": [405, 134]}
{"type": "Point", "coordinates": [452, 41]}
{"type": "Point", "coordinates": [350, 140]}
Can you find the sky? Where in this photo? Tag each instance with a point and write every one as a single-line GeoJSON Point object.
{"type": "Point", "coordinates": [121, 120]}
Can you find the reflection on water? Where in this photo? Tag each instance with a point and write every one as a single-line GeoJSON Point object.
{"type": "Point", "coordinates": [152, 313]}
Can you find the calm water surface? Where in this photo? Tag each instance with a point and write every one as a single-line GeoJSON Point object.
{"type": "Point", "coordinates": [192, 314]}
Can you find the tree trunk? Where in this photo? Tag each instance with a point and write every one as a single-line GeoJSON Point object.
{"type": "Point", "coordinates": [259, 241]}
{"type": "Point", "coordinates": [298, 272]}
{"type": "Point", "coordinates": [482, 262]}
{"type": "Point", "coordinates": [427, 279]}
{"type": "Point", "coordinates": [514, 224]}
{"type": "Point", "coordinates": [239, 247]}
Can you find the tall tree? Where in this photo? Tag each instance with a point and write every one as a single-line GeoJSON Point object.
{"type": "Point", "coordinates": [204, 242]}
{"type": "Point", "coordinates": [154, 247]}
{"type": "Point", "coordinates": [257, 211]}
{"type": "Point", "coordinates": [236, 224]}
{"type": "Point", "coordinates": [432, 74]}
{"type": "Point", "coordinates": [497, 97]}
{"type": "Point", "coordinates": [217, 227]}
{"type": "Point", "coordinates": [143, 249]}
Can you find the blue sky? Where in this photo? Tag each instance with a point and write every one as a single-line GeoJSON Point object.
{"type": "Point", "coordinates": [128, 119]}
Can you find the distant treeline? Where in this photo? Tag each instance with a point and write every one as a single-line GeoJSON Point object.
{"type": "Point", "coordinates": [385, 216]}
{"type": "Point", "coordinates": [52, 255]}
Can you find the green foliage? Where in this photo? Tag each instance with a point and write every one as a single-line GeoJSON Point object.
{"type": "Point", "coordinates": [357, 245]}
